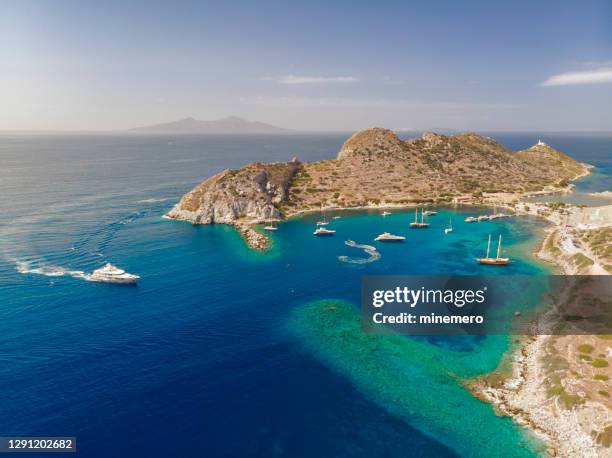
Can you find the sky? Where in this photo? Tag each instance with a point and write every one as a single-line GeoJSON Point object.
{"type": "Point", "coordinates": [307, 65]}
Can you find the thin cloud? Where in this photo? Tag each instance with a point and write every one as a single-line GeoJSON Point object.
{"type": "Point", "coordinates": [602, 75]}
{"type": "Point", "coordinates": [301, 79]}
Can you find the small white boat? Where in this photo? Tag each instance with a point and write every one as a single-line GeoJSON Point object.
{"type": "Point", "coordinates": [483, 218]}
{"type": "Point", "coordinates": [388, 237]}
{"type": "Point", "coordinates": [385, 213]}
{"type": "Point", "coordinates": [271, 227]}
{"type": "Point", "coordinates": [112, 274]}
{"type": "Point", "coordinates": [430, 212]}
{"type": "Point", "coordinates": [324, 231]}
{"type": "Point", "coordinates": [336, 217]}
{"type": "Point", "coordinates": [450, 227]}
{"type": "Point", "coordinates": [471, 219]}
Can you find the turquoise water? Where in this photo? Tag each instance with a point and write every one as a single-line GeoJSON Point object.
{"type": "Point", "coordinates": [420, 382]}
{"type": "Point", "coordinates": [219, 346]}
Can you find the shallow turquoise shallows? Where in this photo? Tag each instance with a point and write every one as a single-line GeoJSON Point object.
{"type": "Point", "coordinates": [220, 351]}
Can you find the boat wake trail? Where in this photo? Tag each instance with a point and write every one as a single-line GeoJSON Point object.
{"type": "Point", "coordinates": [153, 200]}
{"type": "Point", "coordinates": [25, 267]}
{"type": "Point", "coordinates": [368, 249]}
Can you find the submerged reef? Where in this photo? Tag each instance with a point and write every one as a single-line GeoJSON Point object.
{"type": "Point", "coordinates": [421, 381]}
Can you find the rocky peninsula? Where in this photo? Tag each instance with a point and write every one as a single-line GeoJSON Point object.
{"type": "Point", "coordinates": [375, 168]}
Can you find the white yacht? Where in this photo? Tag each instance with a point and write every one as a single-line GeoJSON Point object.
{"type": "Point", "coordinates": [483, 218]}
{"type": "Point", "coordinates": [324, 231]}
{"type": "Point", "coordinates": [471, 219]}
{"type": "Point", "coordinates": [388, 237]}
{"type": "Point", "coordinates": [112, 274]}
{"type": "Point", "coordinates": [385, 213]}
{"type": "Point", "coordinates": [430, 212]}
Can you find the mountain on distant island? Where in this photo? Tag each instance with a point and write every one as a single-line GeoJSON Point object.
{"type": "Point", "coordinates": [229, 125]}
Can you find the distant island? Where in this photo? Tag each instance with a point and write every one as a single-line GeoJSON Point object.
{"type": "Point", "coordinates": [375, 168]}
{"type": "Point", "coordinates": [229, 125]}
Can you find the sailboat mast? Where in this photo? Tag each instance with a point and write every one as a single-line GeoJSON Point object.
{"type": "Point", "coordinates": [488, 247]}
{"type": "Point", "coordinates": [499, 246]}
{"type": "Point", "coordinates": [416, 212]}
{"type": "Point", "coordinates": [422, 215]}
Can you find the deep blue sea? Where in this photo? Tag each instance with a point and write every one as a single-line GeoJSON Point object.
{"type": "Point", "coordinates": [220, 351]}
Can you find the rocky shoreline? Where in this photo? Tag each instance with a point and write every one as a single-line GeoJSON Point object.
{"type": "Point", "coordinates": [560, 407]}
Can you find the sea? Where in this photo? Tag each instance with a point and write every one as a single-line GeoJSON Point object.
{"type": "Point", "coordinates": [220, 351]}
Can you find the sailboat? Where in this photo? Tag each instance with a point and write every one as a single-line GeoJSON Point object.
{"type": "Point", "coordinates": [496, 261]}
{"type": "Point", "coordinates": [450, 226]}
{"type": "Point", "coordinates": [271, 227]}
{"type": "Point", "coordinates": [323, 222]}
{"type": "Point", "coordinates": [416, 224]}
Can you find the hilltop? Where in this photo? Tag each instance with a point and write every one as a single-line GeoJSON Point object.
{"type": "Point", "coordinates": [375, 168]}
{"type": "Point", "coordinates": [229, 125]}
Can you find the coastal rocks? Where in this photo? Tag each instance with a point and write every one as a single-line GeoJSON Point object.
{"type": "Point", "coordinates": [251, 193]}
{"type": "Point", "coordinates": [253, 238]}
{"type": "Point", "coordinates": [240, 197]}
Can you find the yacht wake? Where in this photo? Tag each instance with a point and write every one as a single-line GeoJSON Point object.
{"type": "Point", "coordinates": [373, 253]}
{"type": "Point", "coordinates": [27, 268]}
{"type": "Point", "coordinates": [153, 200]}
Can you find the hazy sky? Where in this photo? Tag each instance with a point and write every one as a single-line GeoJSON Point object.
{"type": "Point", "coordinates": [309, 65]}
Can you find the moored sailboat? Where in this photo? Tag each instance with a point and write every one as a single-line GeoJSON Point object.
{"type": "Point", "coordinates": [497, 260]}
{"type": "Point", "coordinates": [450, 226]}
{"type": "Point", "coordinates": [416, 224]}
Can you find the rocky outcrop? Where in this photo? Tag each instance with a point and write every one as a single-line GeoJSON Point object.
{"type": "Point", "coordinates": [370, 141]}
{"type": "Point", "coordinates": [250, 194]}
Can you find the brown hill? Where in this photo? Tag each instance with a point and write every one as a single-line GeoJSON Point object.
{"type": "Point", "coordinates": [374, 167]}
